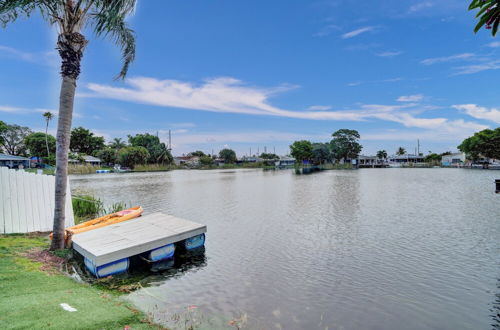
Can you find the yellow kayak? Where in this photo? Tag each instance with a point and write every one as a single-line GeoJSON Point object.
{"type": "Point", "coordinates": [103, 221]}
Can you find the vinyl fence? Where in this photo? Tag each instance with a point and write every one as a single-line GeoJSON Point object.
{"type": "Point", "coordinates": [27, 202]}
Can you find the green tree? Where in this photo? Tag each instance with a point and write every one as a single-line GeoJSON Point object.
{"type": "Point", "coordinates": [206, 161]}
{"type": "Point", "coordinates": [382, 154]}
{"type": "Point", "coordinates": [37, 144]}
{"type": "Point", "coordinates": [131, 156]}
{"type": "Point", "coordinates": [488, 14]}
{"type": "Point", "coordinates": [158, 152]}
{"type": "Point", "coordinates": [302, 150]}
{"type": "Point", "coordinates": [85, 142]}
{"type": "Point", "coordinates": [269, 156]}
{"type": "Point", "coordinates": [433, 158]}
{"type": "Point", "coordinates": [13, 139]}
{"type": "Point", "coordinates": [197, 153]}
{"type": "Point", "coordinates": [401, 151]}
{"type": "Point", "coordinates": [107, 19]}
{"type": "Point", "coordinates": [117, 144]}
{"type": "Point", "coordinates": [3, 129]}
{"type": "Point", "coordinates": [48, 117]}
{"type": "Point", "coordinates": [485, 143]}
{"type": "Point", "coordinates": [107, 155]}
{"type": "Point", "coordinates": [345, 144]}
{"type": "Point", "coordinates": [228, 155]}
{"type": "Point", "coordinates": [321, 153]}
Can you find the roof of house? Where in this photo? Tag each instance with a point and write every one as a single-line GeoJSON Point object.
{"type": "Point", "coordinates": [91, 159]}
{"type": "Point", "coordinates": [12, 157]}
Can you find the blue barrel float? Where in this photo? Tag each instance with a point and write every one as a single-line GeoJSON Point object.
{"type": "Point", "coordinates": [194, 242]}
{"type": "Point", "coordinates": [109, 269]}
{"type": "Point", "coordinates": [161, 253]}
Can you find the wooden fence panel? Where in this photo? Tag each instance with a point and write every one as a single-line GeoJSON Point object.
{"type": "Point", "coordinates": [27, 202]}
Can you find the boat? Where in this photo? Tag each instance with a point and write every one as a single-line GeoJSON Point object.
{"type": "Point", "coordinates": [103, 221]}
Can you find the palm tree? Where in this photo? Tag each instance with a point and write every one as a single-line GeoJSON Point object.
{"type": "Point", "coordinates": [488, 14]}
{"type": "Point", "coordinates": [401, 151]}
{"type": "Point", "coordinates": [381, 154]}
{"type": "Point", "coordinates": [117, 143]}
{"type": "Point", "coordinates": [48, 117]}
{"type": "Point", "coordinates": [107, 19]}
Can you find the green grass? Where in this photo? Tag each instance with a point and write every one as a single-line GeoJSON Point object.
{"type": "Point", "coordinates": [31, 298]}
{"type": "Point", "coordinates": [153, 168]}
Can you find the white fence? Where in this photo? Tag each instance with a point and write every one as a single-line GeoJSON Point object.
{"type": "Point", "coordinates": [27, 202]}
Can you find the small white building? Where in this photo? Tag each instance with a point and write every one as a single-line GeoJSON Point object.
{"type": "Point", "coordinates": [455, 159]}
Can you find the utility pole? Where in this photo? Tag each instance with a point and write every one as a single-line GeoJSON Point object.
{"type": "Point", "coordinates": [169, 148]}
{"type": "Point", "coordinates": [418, 146]}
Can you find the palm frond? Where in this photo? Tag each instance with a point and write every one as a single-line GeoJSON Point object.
{"type": "Point", "coordinates": [109, 21]}
{"type": "Point", "coordinates": [10, 10]}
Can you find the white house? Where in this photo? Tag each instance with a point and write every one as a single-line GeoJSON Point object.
{"type": "Point", "coordinates": [455, 159]}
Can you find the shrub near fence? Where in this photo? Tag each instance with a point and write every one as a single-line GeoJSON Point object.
{"type": "Point", "coordinates": [27, 202]}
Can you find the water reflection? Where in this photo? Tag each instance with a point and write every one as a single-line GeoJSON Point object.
{"type": "Point", "coordinates": [366, 249]}
{"type": "Point", "coordinates": [181, 263]}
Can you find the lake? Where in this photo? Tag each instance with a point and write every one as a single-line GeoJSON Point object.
{"type": "Point", "coordinates": [363, 249]}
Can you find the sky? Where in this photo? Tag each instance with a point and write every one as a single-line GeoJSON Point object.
{"type": "Point", "coordinates": [255, 75]}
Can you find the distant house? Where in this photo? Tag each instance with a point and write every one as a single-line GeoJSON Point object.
{"type": "Point", "coordinates": [455, 159]}
{"type": "Point", "coordinates": [367, 161]}
{"type": "Point", "coordinates": [398, 160]}
{"type": "Point", "coordinates": [285, 161]}
{"type": "Point", "coordinates": [187, 160]}
{"type": "Point", "coordinates": [11, 161]}
{"type": "Point", "coordinates": [91, 160]}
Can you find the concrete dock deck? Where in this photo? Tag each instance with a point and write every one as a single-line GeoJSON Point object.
{"type": "Point", "coordinates": [125, 239]}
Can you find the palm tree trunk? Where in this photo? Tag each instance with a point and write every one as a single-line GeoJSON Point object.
{"type": "Point", "coordinates": [70, 46]}
{"type": "Point", "coordinates": [47, 138]}
{"type": "Point", "coordinates": [67, 96]}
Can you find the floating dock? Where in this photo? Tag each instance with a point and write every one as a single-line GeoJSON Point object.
{"type": "Point", "coordinates": [113, 244]}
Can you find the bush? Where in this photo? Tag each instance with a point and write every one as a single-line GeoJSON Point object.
{"type": "Point", "coordinates": [131, 156]}
{"type": "Point", "coordinates": [86, 207]}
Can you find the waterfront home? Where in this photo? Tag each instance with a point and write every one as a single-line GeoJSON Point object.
{"type": "Point", "coordinates": [285, 161]}
{"type": "Point", "coordinates": [371, 161]}
{"type": "Point", "coordinates": [11, 161]}
{"type": "Point", "coordinates": [187, 160]}
{"type": "Point", "coordinates": [84, 159]}
{"type": "Point", "coordinates": [456, 159]}
{"type": "Point", "coordinates": [399, 160]}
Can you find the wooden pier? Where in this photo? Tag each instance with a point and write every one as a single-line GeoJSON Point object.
{"type": "Point", "coordinates": [126, 239]}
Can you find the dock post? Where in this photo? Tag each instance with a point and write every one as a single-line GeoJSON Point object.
{"type": "Point", "coordinates": [497, 182]}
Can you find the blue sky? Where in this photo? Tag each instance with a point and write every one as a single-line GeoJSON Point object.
{"type": "Point", "coordinates": [255, 74]}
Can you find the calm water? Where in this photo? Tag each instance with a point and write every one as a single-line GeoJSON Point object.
{"type": "Point", "coordinates": [366, 249]}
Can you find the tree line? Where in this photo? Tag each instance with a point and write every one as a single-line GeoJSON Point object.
{"type": "Point", "coordinates": [344, 145]}
{"type": "Point", "coordinates": [138, 149]}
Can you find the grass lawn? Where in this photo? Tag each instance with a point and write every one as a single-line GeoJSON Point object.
{"type": "Point", "coordinates": [30, 298]}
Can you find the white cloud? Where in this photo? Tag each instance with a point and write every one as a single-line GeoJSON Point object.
{"type": "Point", "coordinates": [420, 6]}
{"type": "Point", "coordinates": [494, 44]}
{"type": "Point", "coordinates": [389, 54]}
{"type": "Point", "coordinates": [430, 61]}
{"type": "Point", "coordinates": [475, 68]}
{"type": "Point", "coordinates": [326, 31]}
{"type": "Point", "coordinates": [228, 95]}
{"type": "Point", "coordinates": [6, 108]}
{"type": "Point", "coordinates": [357, 32]}
{"type": "Point", "coordinates": [411, 98]}
{"type": "Point", "coordinates": [478, 112]}
{"type": "Point", "coordinates": [319, 108]}
{"type": "Point", "coordinates": [45, 57]}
